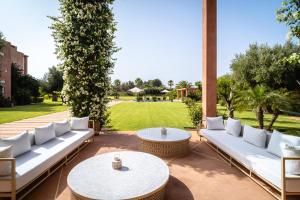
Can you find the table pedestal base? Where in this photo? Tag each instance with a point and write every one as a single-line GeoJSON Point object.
{"type": "Point", "coordinates": [165, 149]}
{"type": "Point", "coordinates": [158, 195]}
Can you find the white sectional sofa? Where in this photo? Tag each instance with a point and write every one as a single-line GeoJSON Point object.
{"type": "Point", "coordinates": [34, 166]}
{"type": "Point", "coordinates": [256, 162]}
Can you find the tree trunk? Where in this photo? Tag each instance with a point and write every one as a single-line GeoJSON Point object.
{"type": "Point", "coordinates": [273, 119]}
{"type": "Point", "coordinates": [260, 117]}
{"type": "Point", "coordinates": [230, 110]}
{"type": "Point", "coordinates": [231, 113]}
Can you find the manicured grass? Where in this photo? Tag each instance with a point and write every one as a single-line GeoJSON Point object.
{"type": "Point", "coordinates": [28, 111]}
{"type": "Point", "coordinates": [124, 98]}
{"type": "Point", "coordinates": [283, 124]}
{"type": "Point", "coordinates": [138, 115]}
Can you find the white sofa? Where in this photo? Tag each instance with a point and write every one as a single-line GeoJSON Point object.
{"type": "Point", "coordinates": [257, 160]}
{"type": "Point", "coordinates": [42, 158]}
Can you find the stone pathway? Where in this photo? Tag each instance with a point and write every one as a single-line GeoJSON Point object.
{"type": "Point", "coordinates": [13, 128]}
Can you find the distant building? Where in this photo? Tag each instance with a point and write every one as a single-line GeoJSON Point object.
{"type": "Point", "coordinates": [8, 56]}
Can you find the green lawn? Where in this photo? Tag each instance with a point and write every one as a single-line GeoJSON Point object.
{"type": "Point", "coordinates": [28, 111]}
{"type": "Point", "coordinates": [124, 98]}
{"type": "Point", "coordinates": [138, 115]}
{"type": "Point", "coordinates": [283, 124]}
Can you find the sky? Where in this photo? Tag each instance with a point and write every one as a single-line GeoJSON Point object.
{"type": "Point", "coordinates": [158, 38]}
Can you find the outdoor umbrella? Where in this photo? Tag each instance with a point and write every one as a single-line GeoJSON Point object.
{"type": "Point", "coordinates": [165, 91]}
{"type": "Point", "coordinates": [135, 90]}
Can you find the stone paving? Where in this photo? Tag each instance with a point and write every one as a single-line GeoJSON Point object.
{"type": "Point", "coordinates": [13, 128]}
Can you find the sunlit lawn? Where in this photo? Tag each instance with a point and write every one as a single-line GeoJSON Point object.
{"type": "Point", "coordinates": [139, 115]}
{"type": "Point", "coordinates": [28, 111]}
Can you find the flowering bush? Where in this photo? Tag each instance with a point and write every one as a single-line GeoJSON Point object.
{"type": "Point", "coordinates": [84, 36]}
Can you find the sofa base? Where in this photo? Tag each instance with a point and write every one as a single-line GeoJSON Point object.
{"type": "Point", "coordinates": [25, 190]}
{"type": "Point", "coordinates": [266, 185]}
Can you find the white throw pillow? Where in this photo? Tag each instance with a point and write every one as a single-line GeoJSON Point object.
{"type": "Point", "coordinates": [278, 141]}
{"type": "Point", "coordinates": [255, 136]}
{"type": "Point", "coordinates": [79, 123]}
{"type": "Point", "coordinates": [233, 127]}
{"type": "Point", "coordinates": [44, 134]}
{"type": "Point", "coordinates": [214, 123]}
{"type": "Point", "coordinates": [62, 127]}
{"type": "Point", "coordinates": [292, 166]}
{"type": "Point", "coordinates": [20, 143]}
{"type": "Point", "coordinates": [5, 166]}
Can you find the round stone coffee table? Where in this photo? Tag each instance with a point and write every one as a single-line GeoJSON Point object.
{"type": "Point", "coordinates": [143, 176]}
{"type": "Point", "coordinates": [174, 143]}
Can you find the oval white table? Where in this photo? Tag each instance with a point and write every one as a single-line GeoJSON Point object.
{"type": "Point", "coordinates": [143, 176]}
{"type": "Point", "coordinates": [174, 143]}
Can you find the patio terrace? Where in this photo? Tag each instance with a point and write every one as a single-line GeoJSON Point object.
{"type": "Point", "coordinates": [201, 175]}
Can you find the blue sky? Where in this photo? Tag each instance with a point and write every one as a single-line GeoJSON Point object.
{"type": "Point", "coordinates": [159, 38]}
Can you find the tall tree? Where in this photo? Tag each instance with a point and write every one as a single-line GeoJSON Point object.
{"type": "Point", "coordinates": [170, 84]}
{"type": "Point", "coordinates": [84, 36]}
{"type": "Point", "coordinates": [257, 99]}
{"type": "Point", "coordinates": [156, 82]}
{"type": "Point", "coordinates": [138, 82]}
{"type": "Point", "coordinates": [53, 80]}
{"type": "Point", "coordinates": [264, 65]}
{"type": "Point", "coordinates": [227, 94]}
{"type": "Point", "coordinates": [183, 84]}
{"type": "Point", "coordinates": [117, 84]}
{"type": "Point", "coordinates": [289, 13]}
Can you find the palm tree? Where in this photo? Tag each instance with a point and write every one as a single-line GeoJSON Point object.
{"type": "Point", "coordinates": [170, 83]}
{"type": "Point", "coordinates": [257, 98]}
{"type": "Point", "coordinates": [278, 101]}
{"type": "Point", "coordinates": [183, 84]}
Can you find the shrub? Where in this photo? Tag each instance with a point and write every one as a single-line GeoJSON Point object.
{"type": "Point", "coordinates": [189, 102]}
{"type": "Point", "coordinates": [154, 98]}
{"type": "Point", "coordinates": [196, 96]}
{"type": "Point", "coordinates": [195, 113]}
{"type": "Point", "coordinates": [5, 101]}
{"type": "Point", "coordinates": [37, 99]}
{"type": "Point", "coordinates": [164, 98]}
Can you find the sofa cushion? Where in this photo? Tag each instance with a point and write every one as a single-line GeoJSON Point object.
{"type": "Point", "coordinates": [292, 166]}
{"type": "Point", "coordinates": [20, 143]}
{"type": "Point", "coordinates": [79, 123]}
{"type": "Point", "coordinates": [254, 158]}
{"type": "Point", "coordinates": [62, 127]}
{"type": "Point", "coordinates": [44, 134]}
{"type": "Point", "coordinates": [215, 123]}
{"type": "Point", "coordinates": [255, 136]}
{"type": "Point", "coordinates": [41, 157]}
{"type": "Point", "coordinates": [5, 166]}
{"type": "Point", "coordinates": [233, 127]}
{"type": "Point", "coordinates": [278, 141]}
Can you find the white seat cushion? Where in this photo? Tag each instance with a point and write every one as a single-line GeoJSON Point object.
{"type": "Point", "coordinates": [255, 136]}
{"type": "Point", "coordinates": [40, 158]}
{"type": "Point", "coordinates": [20, 143]}
{"type": "Point", "coordinates": [254, 158]}
{"type": "Point", "coordinates": [44, 134]}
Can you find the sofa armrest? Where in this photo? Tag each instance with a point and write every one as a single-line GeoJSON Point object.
{"type": "Point", "coordinates": [13, 166]}
{"type": "Point", "coordinates": [283, 172]}
{"type": "Point", "coordinates": [12, 175]}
